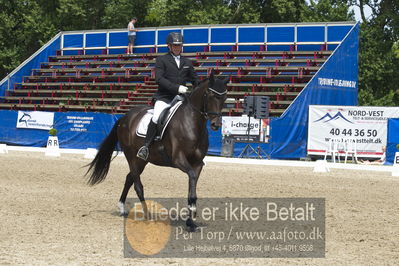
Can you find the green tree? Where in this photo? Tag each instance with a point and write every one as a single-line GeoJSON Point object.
{"type": "Point", "coordinates": [379, 63]}
{"type": "Point", "coordinates": [79, 14]}
{"type": "Point", "coordinates": [25, 27]}
{"type": "Point", "coordinates": [327, 10]}
{"type": "Point", "coordinates": [117, 13]}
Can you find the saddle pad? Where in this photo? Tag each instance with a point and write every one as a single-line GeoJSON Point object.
{"type": "Point", "coordinates": [141, 130]}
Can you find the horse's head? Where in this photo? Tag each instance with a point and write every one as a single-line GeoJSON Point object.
{"type": "Point", "coordinates": [215, 96]}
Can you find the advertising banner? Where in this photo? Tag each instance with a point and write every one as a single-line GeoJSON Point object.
{"type": "Point", "coordinates": [366, 127]}
{"type": "Point", "coordinates": [35, 120]}
{"type": "Point", "coordinates": [245, 129]}
{"type": "Point", "coordinates": [76, 130]}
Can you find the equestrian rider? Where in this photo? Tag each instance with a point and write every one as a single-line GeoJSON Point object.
{"type": "Point", "coordinates": [172, 72]}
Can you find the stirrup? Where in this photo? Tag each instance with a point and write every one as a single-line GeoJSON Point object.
{"type": "Point", "coordinates": [143, 153]}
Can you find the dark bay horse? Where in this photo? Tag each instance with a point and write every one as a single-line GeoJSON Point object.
{"type": "Point", "coordinates": [183, 146]}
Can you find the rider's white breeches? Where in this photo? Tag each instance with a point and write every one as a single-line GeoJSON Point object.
{"type": "Point", "coordinates": [158, 108]}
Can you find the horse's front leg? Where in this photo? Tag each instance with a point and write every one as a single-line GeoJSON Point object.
{"type": "Point", "coordinates": [192, 190]}
{"type": "Point", "coordinates": [192, 196]}
{"type": "Point", "coordinates": [192, 200]}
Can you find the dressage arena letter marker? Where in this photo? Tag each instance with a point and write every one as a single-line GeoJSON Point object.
{"type": "Point", "coordinates": [3, 148]}
{"type": "Point", "coordinates": [321, 167]}
{"type": "Point", "coordinates": [90, 153]}
{"type": "Point", "coordinates": [395, 167]}
{"type": "Point", "coordinates": [53, 148]}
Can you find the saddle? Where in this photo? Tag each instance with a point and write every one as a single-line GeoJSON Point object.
{"type": "Point", "coordinates": [163, 120]}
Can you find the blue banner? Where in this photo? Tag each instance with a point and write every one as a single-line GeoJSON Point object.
{"type": "Point", "coordinates": [76, 130]}
{"type": "Point", "coordinates": [392, 139]}
{"type": "Point", "coordinates": [336, 83]}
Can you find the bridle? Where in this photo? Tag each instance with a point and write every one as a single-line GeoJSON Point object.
{"type": "Point", "coordinates": [205, 112]}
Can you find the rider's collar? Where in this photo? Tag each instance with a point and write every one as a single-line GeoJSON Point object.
{"type": "Point", "coordinates": [175, 56]}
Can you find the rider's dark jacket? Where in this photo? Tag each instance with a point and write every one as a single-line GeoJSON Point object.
{"type": "Point", "coordinates": [169, 76]}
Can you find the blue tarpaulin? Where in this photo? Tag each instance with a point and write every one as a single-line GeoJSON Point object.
{"type": "Point", "coordinates": [392, 139]}
{"type": "Point", "coordinates": [76, 130]}
{"type": "Point", "coordinates": [289, 132]}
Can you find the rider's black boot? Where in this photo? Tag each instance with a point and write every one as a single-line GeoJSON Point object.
{"type": "Point", "coordinates": [149, 138]}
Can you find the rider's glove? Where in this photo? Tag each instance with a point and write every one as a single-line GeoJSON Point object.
{"type": "Point", "coordinates": [182, 89]}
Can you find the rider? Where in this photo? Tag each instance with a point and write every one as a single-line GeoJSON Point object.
{"type": "Point", "coordinates": [172, 72]}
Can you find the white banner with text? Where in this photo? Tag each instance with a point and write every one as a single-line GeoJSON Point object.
{"type": "Point", "coordinates": [364, 126]}
{"type": "Point", "coordinates": [243, 128]}
{"type": "Point", "coordinates": [35, 120]}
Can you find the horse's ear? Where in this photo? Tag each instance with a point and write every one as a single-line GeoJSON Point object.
{"type": "Point", "coordinates": [226, 80]}
{"type": "Point", "coordinates": [211, 78]}
{"type": "Point", "coordinates": [212, 74]}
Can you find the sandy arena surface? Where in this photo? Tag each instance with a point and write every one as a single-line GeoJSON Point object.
{"type": "Point", "coordinates": [50, 216]}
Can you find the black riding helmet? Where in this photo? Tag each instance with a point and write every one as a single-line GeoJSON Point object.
{"type": "Point", "coordinates": [174, 38]}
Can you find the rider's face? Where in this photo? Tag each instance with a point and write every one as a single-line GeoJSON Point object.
{"type": "Point", "coordinates": [175, 48]}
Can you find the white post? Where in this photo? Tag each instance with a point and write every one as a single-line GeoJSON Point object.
{"type": "Point", "coordinates": [53, 148]}
{"type": "Point", "coordinates": [321, 167]}
{"type": "Point", "coordinates": [90, 153]}
{"type": "Point", "coordinates": [3, 148]}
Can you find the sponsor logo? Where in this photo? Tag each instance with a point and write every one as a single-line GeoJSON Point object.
{"type": "Point", "coordinates": [36, 120]}
{"type": "Point", "coordinates": [25, 118]}
{"type": "Point", "coordinates": [327, 118]}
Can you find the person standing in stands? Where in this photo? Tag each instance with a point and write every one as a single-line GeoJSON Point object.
{"type": "Point", "coordinates": [131, 32]}
{"type": "Point", "coordinates": [172, 72]}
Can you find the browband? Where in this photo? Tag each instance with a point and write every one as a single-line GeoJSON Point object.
{"type": "Point", "coordinates": [220, 93]}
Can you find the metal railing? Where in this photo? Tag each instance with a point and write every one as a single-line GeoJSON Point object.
{"type": "Point", "coordinates": [208, 43]}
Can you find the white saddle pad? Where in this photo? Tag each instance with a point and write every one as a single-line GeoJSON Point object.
{"type": "Point", "coordinates": [141, 130]}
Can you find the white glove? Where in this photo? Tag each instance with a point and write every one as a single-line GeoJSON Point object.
{"type": "Point", "coordinates": [182, 89]}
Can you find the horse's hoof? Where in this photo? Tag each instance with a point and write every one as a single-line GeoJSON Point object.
{"type": "Point", "coordinates": [192, 229]}
{"type": "Point", "coordinates": [122, 210]}
{"type": "Point", "coordinates": [191, 226]}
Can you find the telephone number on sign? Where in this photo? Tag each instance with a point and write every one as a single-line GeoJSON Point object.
{"type": "Point", "coordinates": [354, 132]}
{"type": "Point", "coordinates": [292, 248]}
{"type": "Point", "coordinates": [270, 248]}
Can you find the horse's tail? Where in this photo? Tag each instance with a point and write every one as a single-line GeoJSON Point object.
{"type": "Point", "coordinates": [100, 165]}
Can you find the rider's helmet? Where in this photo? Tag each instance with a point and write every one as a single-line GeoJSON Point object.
{"type": "Point", "coordinates": [174, 38]}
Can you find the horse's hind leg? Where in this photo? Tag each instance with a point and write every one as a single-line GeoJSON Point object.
{"type": "Point", "coordinates": [136, 168]}
{"type": "Point", "coordinates": [121, 203]}
{"type": "Point", "coordinates": [193, 172]}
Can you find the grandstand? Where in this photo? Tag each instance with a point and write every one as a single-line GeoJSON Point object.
{"type": "Point", "coordinates": [277, 62]}
{"type": "Point", "coordinates": [87, 74]}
